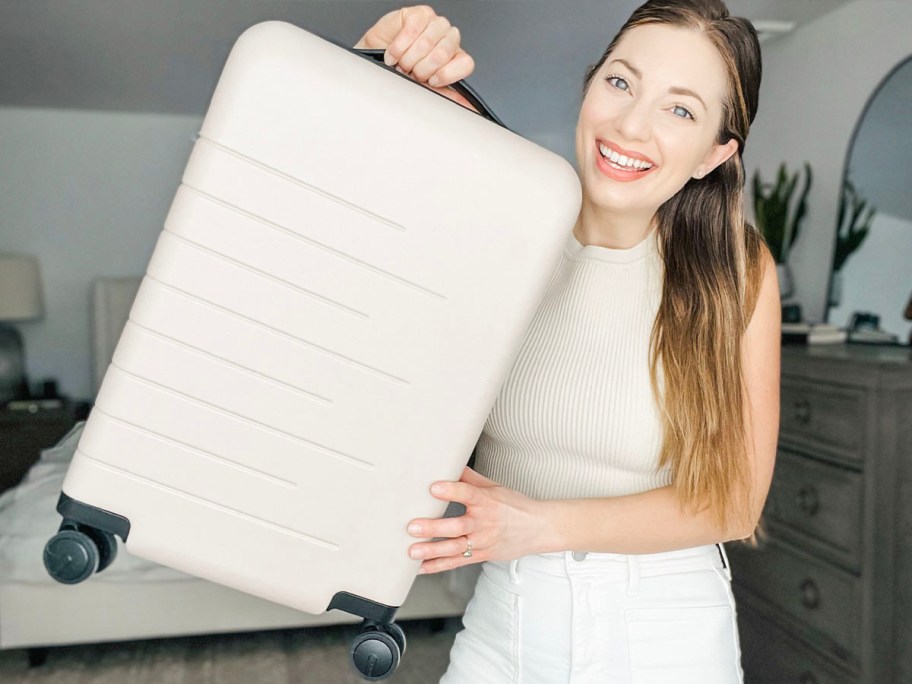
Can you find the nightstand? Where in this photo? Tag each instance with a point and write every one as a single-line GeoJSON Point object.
{"type": "Point", "coordinates": [30, 427]}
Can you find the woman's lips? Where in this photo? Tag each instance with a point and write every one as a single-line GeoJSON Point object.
{"type": "Point", "coordinates": [617, 171]}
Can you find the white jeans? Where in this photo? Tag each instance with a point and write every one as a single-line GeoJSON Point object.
{"type": "Point", "coordinates": [601, 618]}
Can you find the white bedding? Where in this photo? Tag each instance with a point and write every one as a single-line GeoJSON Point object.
{"type": "Point", "coordinates": [28, 518]}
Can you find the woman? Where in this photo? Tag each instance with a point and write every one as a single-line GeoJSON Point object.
{"type": "Point", "coordinates": [637, 429]}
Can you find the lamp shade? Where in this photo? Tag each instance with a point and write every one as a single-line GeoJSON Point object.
{"type": "Point", "coordinates": [20, 287]}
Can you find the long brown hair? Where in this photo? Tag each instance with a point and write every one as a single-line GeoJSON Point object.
{"type": "Point", "coordinates": [712, 275]}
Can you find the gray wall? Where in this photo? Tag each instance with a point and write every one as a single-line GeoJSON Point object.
{"type": "Point", "coordinates": [87, 193]}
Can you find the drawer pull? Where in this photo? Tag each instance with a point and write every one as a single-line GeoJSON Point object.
{"type": "Point", "coordinates": [807, 678]}
{"type": "Point", "coordinates": [808, 501]}
{"type": "Point", "coordinates": [803, 411]}
{"type": "Point", "coordinates": [810, 594]}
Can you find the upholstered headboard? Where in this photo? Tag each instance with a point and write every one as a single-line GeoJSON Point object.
{"type": "Point", "coordinates": [111, 302]}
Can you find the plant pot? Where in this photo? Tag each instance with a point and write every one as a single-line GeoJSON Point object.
{"type": "Point", "coordinates": [784, 275]}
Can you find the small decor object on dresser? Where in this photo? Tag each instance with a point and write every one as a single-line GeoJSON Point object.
{"type": "Point", "coordinates": [825, 598]}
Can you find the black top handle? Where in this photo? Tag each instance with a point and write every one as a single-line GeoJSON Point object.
{"type": "Point", "coordinates": [460, 87]}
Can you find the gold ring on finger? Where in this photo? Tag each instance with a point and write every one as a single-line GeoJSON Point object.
{"type": "Point", "coordinates": [468, 552]}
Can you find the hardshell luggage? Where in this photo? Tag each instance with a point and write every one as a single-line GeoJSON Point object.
{"type": "Point", "coordinates": [340, 289]}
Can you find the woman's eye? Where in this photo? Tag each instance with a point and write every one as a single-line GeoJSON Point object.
{"type": "Point", "coordinates": [682, 112]}
{"type": "Point", "coordinates": [618, 82]}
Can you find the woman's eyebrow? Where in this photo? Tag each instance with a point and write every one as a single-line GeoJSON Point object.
{"type": "Point", "coordinates": [673, 90]}
{"type": "Point", "coordinates": [636, 72]}
{"type": "Point", "coordinates": [687, 91]}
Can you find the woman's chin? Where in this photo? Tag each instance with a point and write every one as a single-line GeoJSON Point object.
{"type": "Point", "coordinates": [600, 201]}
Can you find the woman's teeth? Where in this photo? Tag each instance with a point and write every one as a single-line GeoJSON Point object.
{"type": "Point", "coordinates": [621, 161]}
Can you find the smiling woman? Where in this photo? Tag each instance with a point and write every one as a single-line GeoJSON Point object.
{"type": "Point", "coordinates": [637, 429]}
{"type": "Point", "coordinates": [640, 98]}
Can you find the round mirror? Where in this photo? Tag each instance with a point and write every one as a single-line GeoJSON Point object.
{"type": "Point", "coordinates": [871, 280]}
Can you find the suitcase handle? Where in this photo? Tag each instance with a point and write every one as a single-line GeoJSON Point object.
{"type": "Point", "coordinates": [460, 87]}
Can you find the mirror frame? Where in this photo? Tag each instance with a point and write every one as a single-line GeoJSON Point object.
{"type": "Point", "coordinates": [845, 170]}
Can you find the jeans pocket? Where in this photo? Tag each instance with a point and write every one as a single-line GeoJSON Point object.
{"type": "Point", "coordinates": [487, 649]}
{"type": "Point", "coordinates": [683, 645]}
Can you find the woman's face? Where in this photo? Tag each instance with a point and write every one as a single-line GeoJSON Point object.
{"type": "Point", "coordinates": [650, 119]}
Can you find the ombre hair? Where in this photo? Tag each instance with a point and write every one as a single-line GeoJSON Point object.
{"type": "Point", "coordinates": [712, 259]}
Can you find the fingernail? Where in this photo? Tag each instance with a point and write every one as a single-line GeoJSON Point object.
{"type": "Point", "coordinates": [414, 528]}
{"type": "Point", "coordinates": [388, 59]}
{"type": "Point", "coordinates": [421, 570]}
{"type": "Point", "coordinates": [437, 488]}
{"type": "Point", "coordinates": [416, 553]}
{"type": "Point", "coordinates": [433, 80]}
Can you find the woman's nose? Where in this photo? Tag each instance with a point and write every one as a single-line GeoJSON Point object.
{"type": "Point", "coordinates": [633, 121]}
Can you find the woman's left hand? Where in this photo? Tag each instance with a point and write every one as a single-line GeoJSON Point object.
{"type": "Point", "coordinates": [500, 523]}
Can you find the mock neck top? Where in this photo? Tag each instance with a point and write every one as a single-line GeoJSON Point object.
{"type": "Point", "coordinates": [576, 416]}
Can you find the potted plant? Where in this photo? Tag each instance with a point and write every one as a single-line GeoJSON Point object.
{"type": "Point", "coordinates": [852, 225]}
{"type": "Point", "coordinates": [779, 216]}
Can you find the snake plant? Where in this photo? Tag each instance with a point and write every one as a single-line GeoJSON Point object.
{"type": "Point", "coordinates": [777, 220]}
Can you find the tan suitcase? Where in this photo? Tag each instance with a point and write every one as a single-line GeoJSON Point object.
{"type": "Point", "coordinates": [340, 288]}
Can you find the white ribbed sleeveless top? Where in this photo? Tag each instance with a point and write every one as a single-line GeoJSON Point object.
{"type": "Point", "coordinates": [576, 416]}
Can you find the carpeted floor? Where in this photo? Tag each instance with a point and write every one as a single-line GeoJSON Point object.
{"type": "Point", "coordinates": [294, 656]}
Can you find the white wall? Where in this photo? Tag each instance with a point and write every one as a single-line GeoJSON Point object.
{"type": "Point", "coordinates": [86, 192]}
{"type": "Point", "coordinates": [816, 82]}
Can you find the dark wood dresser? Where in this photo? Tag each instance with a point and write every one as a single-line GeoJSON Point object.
{"type": "Point", "coordinates": [827, 596]}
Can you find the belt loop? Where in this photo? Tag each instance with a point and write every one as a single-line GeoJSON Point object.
{"type": "Point", "coordinates": [726, 566]}
{"type": "Point", "coordinates": [514, 571]}
{"type": "Point", "coordinates": [633, 575]}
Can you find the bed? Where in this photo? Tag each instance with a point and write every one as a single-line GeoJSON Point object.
{"type": "Point", "coordinates": [136, 599]}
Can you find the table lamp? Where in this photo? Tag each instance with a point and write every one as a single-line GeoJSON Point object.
{"type": "Point", "coordinates": [20, 300]}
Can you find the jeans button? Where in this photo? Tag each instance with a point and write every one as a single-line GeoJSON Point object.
{"type": "Point", "coordinates": [579, 556]}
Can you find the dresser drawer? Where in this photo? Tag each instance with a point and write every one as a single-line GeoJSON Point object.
{"type": "Point", "coordinates": [825, 419]}
{"type": "Point", "coordinates": [819, 500]}
{"type": "Point", "coordinates": [819, 595]}
{"type": "Point", "coordinates": [770, 655]}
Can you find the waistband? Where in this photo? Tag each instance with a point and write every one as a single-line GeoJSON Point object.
{"type": "Point", "coordinates": [576, 563]}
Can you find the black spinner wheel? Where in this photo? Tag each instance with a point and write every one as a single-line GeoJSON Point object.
{"type": "Point", "coordinates": [71, 556]}
{"type": "Point", "coordinates": [106, 544]}
{"type": "Point", "coordinates": [377, 650]}
{"type": "Point", "coordinates": [398, 634]}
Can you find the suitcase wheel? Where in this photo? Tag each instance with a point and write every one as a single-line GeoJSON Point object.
{"type": "Point", "coordinates": [71, 556]}
{"type": "Point", "coordinates": [107, 546]}
{"type": "Point", "coordinates": [77, 551]}
{"type": "Point", "coordinates": [377, 650]}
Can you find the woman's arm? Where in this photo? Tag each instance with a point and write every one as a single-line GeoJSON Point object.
{"type": "Point", "coordinates": [503, 524]}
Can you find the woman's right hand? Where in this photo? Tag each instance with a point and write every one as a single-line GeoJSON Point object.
{"type": "Point", "coordinates": [422, 45]}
